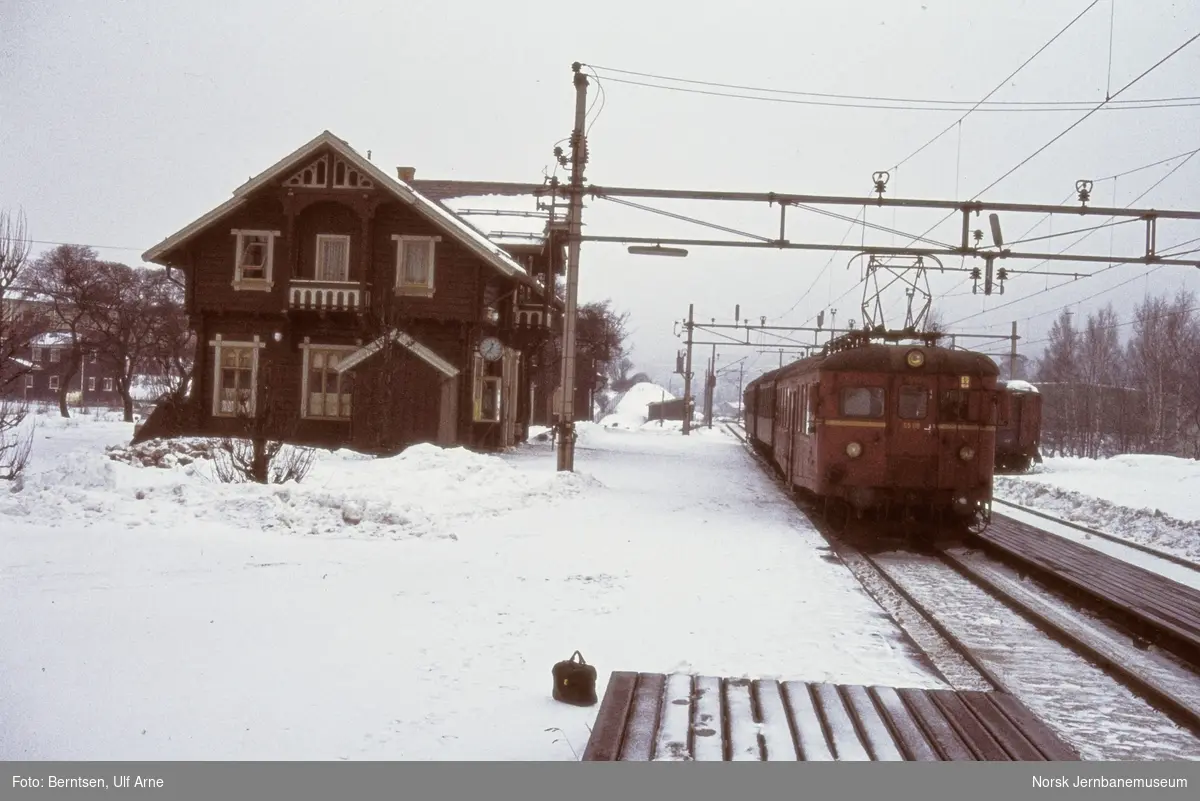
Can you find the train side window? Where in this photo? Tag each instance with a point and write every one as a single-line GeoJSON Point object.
{"type": "Point", "coordinates": [913, 403]}
{"type": "Point", "coordinates": [862, 402]}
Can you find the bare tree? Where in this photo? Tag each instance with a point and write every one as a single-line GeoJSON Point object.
{"type": "Point", "coordinates": [172, 353]}
{"type": "Point", "coordinates": [18, 326]}
{"type": "Point", "coordinates": [125, 317]}
{"type": "Point", "coordinates": [69, 278]}
{"type": "Point", "coordinates": [262, 450]}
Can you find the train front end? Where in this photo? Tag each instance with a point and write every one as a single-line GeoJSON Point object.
{"type": "Point", "coordinates": [908, 432]}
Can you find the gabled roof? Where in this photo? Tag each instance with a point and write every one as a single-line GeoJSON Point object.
{"type": "Point", "coordinates": [422, 352]}
{"type": "Point", "coordinates": [473, 239]}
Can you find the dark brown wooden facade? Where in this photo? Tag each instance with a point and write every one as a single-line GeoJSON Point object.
{"type": "Point", "coordinates": [330, 296]}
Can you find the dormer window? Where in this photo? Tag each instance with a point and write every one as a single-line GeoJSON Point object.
{"type": "Point", "coordinates": [254, 259]}
{"type": "Point", "coordinates": [414, 264]}
{"type": "Point", "coordinates": [333, 258]}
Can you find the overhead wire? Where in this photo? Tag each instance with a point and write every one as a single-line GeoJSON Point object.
{"type": "Point", "coordinates": [1000, 85]}
{"type": "Point", "coordinates": [1133, 105]}
{"type": "Point", "coordinates": [1151, 188]}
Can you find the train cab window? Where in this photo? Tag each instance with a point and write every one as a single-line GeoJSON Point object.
{"type": "Point", "coordinates": [862, 402]}
{"type": "Point", "coordinates": [956, 406]}
{"type": "Point", "coordinates": [913, 403]}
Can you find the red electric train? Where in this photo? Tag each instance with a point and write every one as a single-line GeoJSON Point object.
{"type": "Point", "coordinates": [876, 426]}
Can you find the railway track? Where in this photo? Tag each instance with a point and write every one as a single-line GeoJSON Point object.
{"type": "Point", "coordinates": [1021, 637]}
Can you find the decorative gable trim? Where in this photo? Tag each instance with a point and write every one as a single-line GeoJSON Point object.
{"type": "Point", "coordinates": [347, 176]}
{"type": "Point", "coordinates": [422, 352]}
{"type": "Point", "coordinates": [314, 175]}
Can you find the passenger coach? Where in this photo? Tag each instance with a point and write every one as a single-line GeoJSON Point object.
{"type": "Point", "coordinates": [907, 430]}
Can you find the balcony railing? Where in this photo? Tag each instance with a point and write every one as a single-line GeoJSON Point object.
{"type": "Point", "coordinates": [327, 295]}
{"type": "Point", "coordinates": [532, 316]}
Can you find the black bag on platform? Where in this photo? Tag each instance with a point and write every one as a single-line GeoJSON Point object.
{"type": "Point", "coordinates": [575, 682]}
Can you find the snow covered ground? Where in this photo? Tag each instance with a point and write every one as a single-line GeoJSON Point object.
{"type": "Point", "coordinates": [402, 608]}
{"type": "Point", "coordinates": [1151, 500]}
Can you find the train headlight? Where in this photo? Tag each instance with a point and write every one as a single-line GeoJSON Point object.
{"type": "Point", "coordinates": [966, 453]}
{"type": "Point", "coordinates": [914, 358]}
{"type": "Point", "coordinates": [854, 450]}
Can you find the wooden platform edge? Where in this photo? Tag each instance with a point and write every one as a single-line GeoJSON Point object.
{"type": "Point", "coordinates": [993, 726]}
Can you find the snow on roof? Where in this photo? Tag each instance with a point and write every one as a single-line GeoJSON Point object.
{"type": "Point", "coordinates": [53, 339]}
{"type": "Point", "coordinates": [1020, 386]}
{"type": "Point", "coordinates": [472, 238]}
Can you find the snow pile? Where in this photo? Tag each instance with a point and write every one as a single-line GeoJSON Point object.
{"type": "Point", "coordinates": [632, 410]}
{"type": "Point", "coordinates": [424, 491]}
{"type": "Point", "coordinates": [1020, 386]}
{"type": "Point", "coordinates": [1151, 500]}
{"type": "Point", "coordinates": [164, 452]}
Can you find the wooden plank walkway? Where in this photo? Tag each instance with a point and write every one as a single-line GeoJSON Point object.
{"type": "Point", "coordinates": [1153, 600]}
{"type": "Point", "coordinates": [654, 717]}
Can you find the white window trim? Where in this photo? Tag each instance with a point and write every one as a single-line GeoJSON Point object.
{"type": "Point", "coordinates": [91, 383]}
{"type": "Point", "coordinates": [37, 355]}
{"type": "Point", "coordinates": [53, 382]}
{"type": "Point", "coordinates": [317, 260]}
{"type": "Point", "coordinates": [55, 355]}
{"type": "Point", "coordinates": [29, 381]}
{"type": "Point", "coordinates": [217, 343]}
{"type": "Point", "coordinates": [108, 385]}
{"type": "Point", "coordinates": [265, 283]}
{"type": "Point", "coordinates": [306, 347]}
{"type": "Point", "coordinates": [426, 289]}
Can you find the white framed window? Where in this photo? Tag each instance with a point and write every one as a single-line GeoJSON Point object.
{"type": "Point", "coordinates": [326, 394]}
{"type": "Point", "coordinates": [489, 406]}
{"type": "Point", "coordinates": [108, 385]}
{"type": "Point", "coordinates": [486, 390]}
{"type": "Point", "coordinates": [333, 258]}
{"type": "Point", "coordinates": [92, 357]}
{"type": "Point", "coordinates": [37, 354]}
{"type": "Point", "coordinates": [53, 382]}
{"type": "Point", "coordinates": [254, 259]}
{"type": "Point", "coordinates": [235, 376]}
{"type": "Point", "coordinates": [55, 355]}
{"type": "Point", "coordinates": [92, 384]}
{"type": "Point", "coordinates": [28, 382]}
{"type": "Point", "coordinates": [414, 264]}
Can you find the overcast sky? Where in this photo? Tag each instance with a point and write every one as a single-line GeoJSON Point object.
{"type": "Point", "coordinates": [121, 122]}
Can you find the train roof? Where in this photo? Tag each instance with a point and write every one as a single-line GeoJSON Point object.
{"type": "Point", "coordinates": [891, 358]}
{"type": "Point", "coordinates": [874, 357]}
{"type": "Point", "coordinates": [1018, 386]}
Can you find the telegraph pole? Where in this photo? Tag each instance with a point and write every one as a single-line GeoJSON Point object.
{"type": "Point", "coordinates": [687, 375]}
{"type": "Point", "coordinates": [712, 385]}
{"type": "Point", "coordinates": [566, 420]}
{"type": "Point", "coordinates": [1012, 356]}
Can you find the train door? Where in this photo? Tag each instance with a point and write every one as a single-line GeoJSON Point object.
{"type": "Point", "coordinates": [793, 431]}
{"type": "Point", "coordinates": [913, 438]}
{"type": "Point", "coordinates": [961, 417]}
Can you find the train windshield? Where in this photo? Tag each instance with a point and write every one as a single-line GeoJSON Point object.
{"type": "Point", "coordinates": [913, 403]}
{"type": "Point", "coordinates": [961, 406]}
{"type": "Point", "coordinates": [862, 402]}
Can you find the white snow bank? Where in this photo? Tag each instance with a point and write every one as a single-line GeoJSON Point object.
{"type": "Point", "coordinates": [426, 490]}
{"type": "Point", "coordinates": [186, 633]}
{"type": "Point", "coordinates": [1152, 500]}
{"type": "Point", "coordinates": [1021, 386]}
{"type": "Point", "coordinates": [632, 408]}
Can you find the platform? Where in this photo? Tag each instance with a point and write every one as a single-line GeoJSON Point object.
{"type": "Point", "coordinates": [1155, 601]}
{"type": "Point", "coordinates": [679, 717]}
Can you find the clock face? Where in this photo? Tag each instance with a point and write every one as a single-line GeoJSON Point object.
{"type": "Point", "coordinates": [491, 349]}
